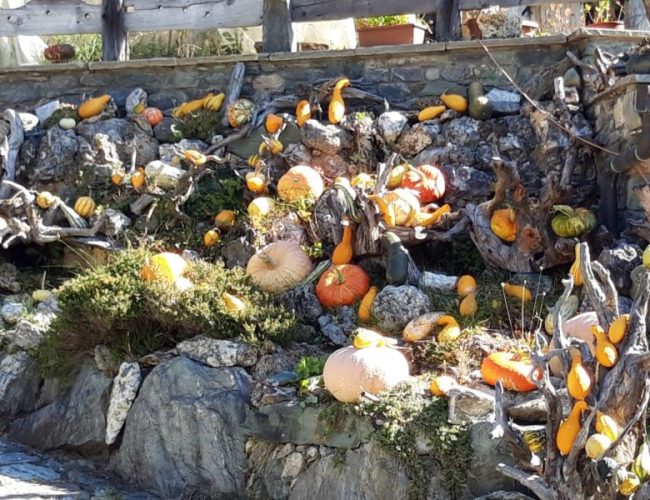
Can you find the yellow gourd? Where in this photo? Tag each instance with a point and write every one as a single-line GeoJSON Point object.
{"type": "Point", "coordinates": [344, 251]}
{"type": "Point", "coordinates": [430, 113]}
{"type": "Point", "coordinates": [578, 380]}
{"type": "Point", "coordinates": [465, 285]}
{"type": "Point", "coordinates": [503, 224]}
{"type": "Point", "coordinates": [255, 182]}
{"type": "Point", "coordinates": [596, 445]}
{"type": "Point", "coordinates": [364, 338]}
{"type": "Point", "coordinates": [165, 266]}
{"type": "Point", "coordinates": [441, 385]}
{"type": "Point", "coordinates": [468, 305]}
{"type": "Point", "coordinates": [606, 353]}
{"type": "Point", "coordinates": [211, 238]}
{"type": "Point", "coordinates": [225, 219]}
{"type": "Point", "coordinates": [397, 174]}
{"type": "Point", "coordinates": [303, 113]}
{"type": "Point", "coordinates": [425, 219]}
{"type": "Point", "coordinates": [45, 199]}
{"type": "Point", "coordinates": [233, 303]}
{"type": "Point", "coordinates": [92, 107]}
{"type": "Point", "coordinates": [336, 109]}
{"type": "Point", "coordinates": [456, 102]}
{"type": "Point", "coordinates": [214, 102]}
{"type": "Point", "coordinates": [569, 428]}
{"type": "Point", "coordinates": [629, 485]}
{"type": "Point", "coordinates": [575, 269]}
{"type": "Point", "coordinates": [188, 107]}
{"type": "Point", "coordinates": [517, 291]}
{"type": "Point", "coordinates": [618, 328]}
{"type": "Point", "coordinates": [607, 425]}
{"type": "Point", "coordinates": [451, 330]}
{"type": "Point", "coordinates": [261, 207]}
{"type": "Point", "coordinates": [365, 307]}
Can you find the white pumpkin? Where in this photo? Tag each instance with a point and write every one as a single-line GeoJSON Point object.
{"type": "Point", "coordinates": [578, 327]}
{"type": "Point", "coordinates": [349, 371]}
{"type": "Point", "coordinates": [279, 266]}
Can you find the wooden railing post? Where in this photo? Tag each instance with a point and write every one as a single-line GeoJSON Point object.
{"type": "Point", "coordinates": [114, 37]}
{"type": "Point", "coordinates": [448, 21]}
{"type": "Point", "coordinates": [277, 30]}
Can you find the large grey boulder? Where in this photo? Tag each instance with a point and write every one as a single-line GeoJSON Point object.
{"type": "Point", "coordinates": [74, 421]}
{"type": "Point", "coordinates": [19, 384]}
{"type": "Point", "coordinates": [183, 433]}
{"type": "Point", "coordinates": [366, 473]}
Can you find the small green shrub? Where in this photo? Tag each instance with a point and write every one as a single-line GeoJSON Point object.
{"type": "Point", "coordinates": [113, 306]}
{"type": "Point", "coordinates": [307, 367]}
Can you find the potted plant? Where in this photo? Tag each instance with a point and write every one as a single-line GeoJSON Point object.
{"type": "Point", "coordinates": [603, 15]}
{"type": "Point", "coordinates": [389, 30]}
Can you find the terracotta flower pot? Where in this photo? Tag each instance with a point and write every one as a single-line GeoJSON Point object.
{"type": "Point", "coordinates": [608, 25]}
{"type": "Point", "coordinates": [399, 34]}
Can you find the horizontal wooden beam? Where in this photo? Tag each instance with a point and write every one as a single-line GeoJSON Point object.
{"type": "Point", "coordinates": [51, 17]}
{"type": "Point", "coordinates": [156, 15]}
{"type": "Point", "coordinates": [482, 4]}
{"type": "Point", "coordinates": [328, 10]}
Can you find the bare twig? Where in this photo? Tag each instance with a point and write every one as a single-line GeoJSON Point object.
{"type": "Point", "coordinates": [531, 481]}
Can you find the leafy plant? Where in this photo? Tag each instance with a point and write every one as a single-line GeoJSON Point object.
{"type": "Point", "coordinates": [603, 11]}
{"type": "Point", "coordinates": [308, 367]}
{"type": "Point", "coordinates": [111, 305]}
{"type": "Point", "coordinates": [373, 22]}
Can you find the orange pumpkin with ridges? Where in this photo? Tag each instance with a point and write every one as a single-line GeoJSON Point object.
{"type": "Point", "coordinates": [342, 285]}
{"type": "Point", "coordinates": [153, 116]}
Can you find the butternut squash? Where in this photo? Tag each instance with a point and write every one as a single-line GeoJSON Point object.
{"type": "Point", "coordinates": [344, 251]}
{"type": "Point", "coordinates": [456, 102]}
{"type": "Point", "coordinates": [92, 107]}
{"type": "Point", "coordinates": [430, 113]}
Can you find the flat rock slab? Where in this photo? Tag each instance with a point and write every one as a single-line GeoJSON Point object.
{"type": "Point", "coordinates": [25, 473]}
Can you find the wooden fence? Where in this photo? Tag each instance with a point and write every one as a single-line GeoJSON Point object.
{"type": "Point", "coordinates": [115, 18]}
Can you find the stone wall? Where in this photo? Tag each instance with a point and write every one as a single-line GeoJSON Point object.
{"type": "Point", "coordinates": [396, 73]}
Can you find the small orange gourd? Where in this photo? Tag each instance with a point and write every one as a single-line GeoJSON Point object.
{"type": "Point", "coordinates": [578, 380]}
{"type": "Point", "coordinates": [137, 178]}
{"type": "Point", "coordinates": [465, 285]}
{"type": "Point", "coordinates": [503, 224]}
{"type": "Point", "coordinates": [336, 109]}
{"type": "Point", "coordinates": [303, 113]}
{"type": "Point", "coordinates": [344, 251]}
{"type": "Point", "coordinates": [468, 305]}
{"type": "Point", "coordinates": [92, 107]}
{"type": "Point", "coordinates": [606, 353]}
{"type": "Point", "coordinates": [569, 428]}
{"type": "Point", "coordinates": [273, 123]}
{"type": "Point", "coordinates": [365, 307]}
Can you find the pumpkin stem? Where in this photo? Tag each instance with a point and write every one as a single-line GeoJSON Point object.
{"type": "Point", "coordinates": [264, 257]}
{"type": "Point", "coordinates": [339, 275]}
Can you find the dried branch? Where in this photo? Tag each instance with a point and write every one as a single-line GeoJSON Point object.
{"type": "Point", "coordinates": [10, 149]}
{"type": "Point", "coordinates": [531, 481]}
{"type": "Point", "coordinates": [597, 296]}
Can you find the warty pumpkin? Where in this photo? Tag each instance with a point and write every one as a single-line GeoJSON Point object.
{"type": "Point", "coordinates": [93, 107]}
{"type": "Point", "coordinates": [85, 206]}
{"type": "Point", "coordinates": [344, 251]}
{"type": "Point", "coordinates": [45, 199]}
{"type": "Point", "coordinates": [365, 306]}
{"type": "Point", "coordinates": [279, 266]}
{"type": "Point", "coordinates": [336, 110]}
{"type": "Point", "coordinates": [569, 428]}
{"type": "Point", "coordinates": [349, 371]}
{"type": "Point", "coordinates": [303, 113]}
{"type": "Point", "coordinates": [240, 112]}
{"type": "Point", "coordinates": [300, 183]}
{"type": "Point", "coordinates": [515, 371]}
{"type": "Point", "coordinates": [342, 286]}
{"type": "Point", "coordinates": [571, 223]}
{"type": "Point", "coordinates": [153, 116]}
{"type": "Point", "coordinates": [427, 181]}
{"type": "Point", "coordinates": [503, 224]}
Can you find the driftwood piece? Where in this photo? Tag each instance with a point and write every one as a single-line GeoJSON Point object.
{"type": "Point", "coordinates": [10, 148]}
{"type": "Point", "coordinates": [234, 88]}
{"type": "Point", "coordinates": [535, 246]}
{"type": "Point", "coordinates": [622, 392]}
{"type": "Point", "coordinates": [541, 85]}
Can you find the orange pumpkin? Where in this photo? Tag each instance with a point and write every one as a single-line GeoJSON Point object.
{"type": "Point", "coordinates": [513, 370]}
{"type": "Point", "coordinates": [428, 182]}
{"type": "Point", "coordinates": [342, 285]}
{"type": "Point", "coordinates": [503, 224]}
{"type": "Point", "coordinates": [240, 112]}
{"type": "Point", "coordinates": [153, 116]}
{"type": "Point", "coordinates": [137, 178]}
{"type": "Point", "coordinates": [299, 183]}
{"type": "Point", "coordinates": [273, 123]}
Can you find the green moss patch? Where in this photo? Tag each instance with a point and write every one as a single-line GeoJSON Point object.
{"type": "Point", "coordinates": [113, 306]}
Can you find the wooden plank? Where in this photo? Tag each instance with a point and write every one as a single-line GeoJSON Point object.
{"type": "Point", "coordinates": [277, 30]}
{"type": "Point", "coordinates": [482, 4]}
{"type": "Point", "coordinates": [51, 17]}
{"type": "Point", "coordinates": [155, 15]}
{"type": "Point", "coordinates": [114, 35]}
{"type": "Point", "coordinates": [328, 10]}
